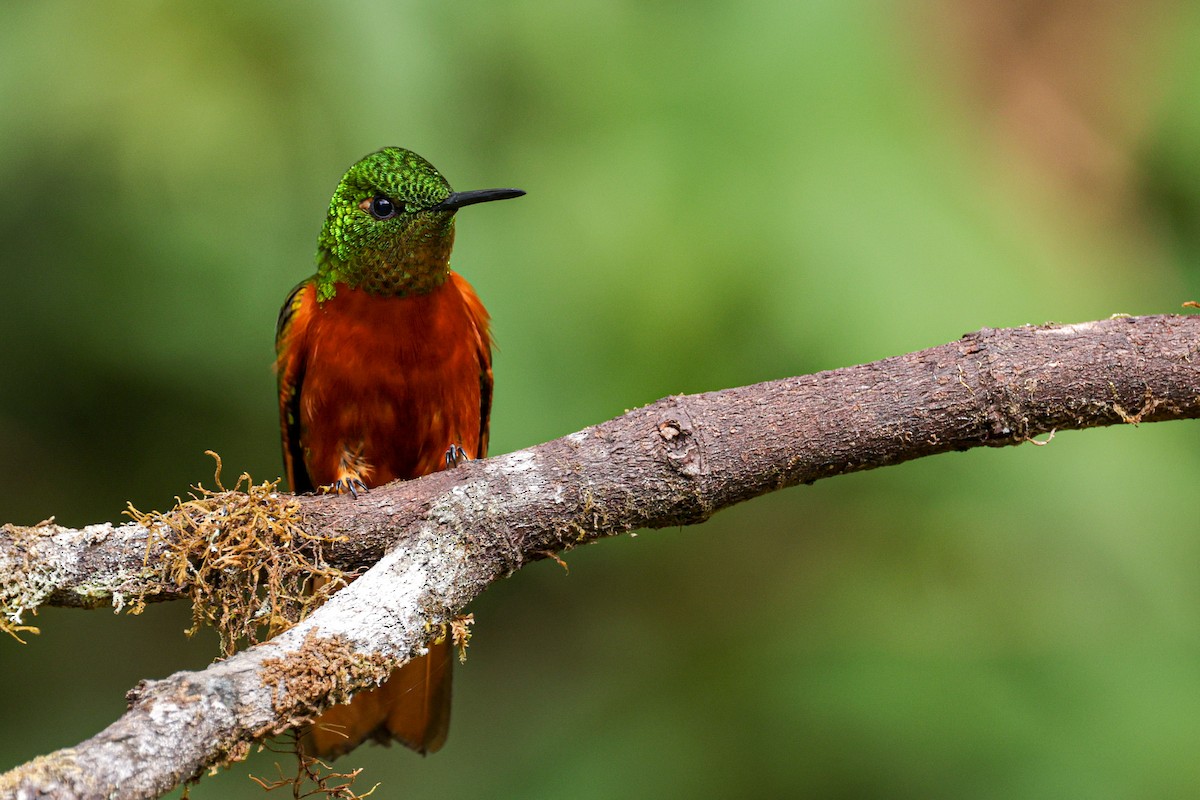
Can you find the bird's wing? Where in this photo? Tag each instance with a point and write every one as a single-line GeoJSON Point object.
{"type": "Point", "coordinates": [290, 355]}
{"type": "Point", "coordinates": [485, 392]}
{"type": "Point", "coordinates": [483, 342]}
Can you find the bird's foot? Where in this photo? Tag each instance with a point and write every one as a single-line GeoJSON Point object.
{"type": "Point", "coordinates": [455, 456]}
{"type": "Point", "coordinates": [352, 472]}
{"type": "Point", "coordinates": [349, 484]}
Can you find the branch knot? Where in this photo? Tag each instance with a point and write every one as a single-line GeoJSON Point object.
{"type": "Point", "coordinates": [681, 447]}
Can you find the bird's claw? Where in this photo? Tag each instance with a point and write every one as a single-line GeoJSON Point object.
{"type": "Point", "coordinates": [455, 456]}
{"type": "Point", "coordinates": [351, 486]}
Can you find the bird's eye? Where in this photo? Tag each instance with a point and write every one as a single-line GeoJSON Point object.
{"type": "Point", "coordinates": [379, 207]}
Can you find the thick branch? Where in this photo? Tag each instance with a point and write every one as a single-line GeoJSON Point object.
{"type": "Point", "coordinates": [442, 539]}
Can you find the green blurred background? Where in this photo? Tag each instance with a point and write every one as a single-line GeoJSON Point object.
{"type": "Point", "coordinates": [719, 194]}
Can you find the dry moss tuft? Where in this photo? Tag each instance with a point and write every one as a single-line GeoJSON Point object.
{"type": "Point", "coordinates": [460, 634]}
{"type": "Point", "coordinates": [13, 629]}
{"type": "Point", "coordinates": [243, 557]}
{"type": "Point", "coordinates": [323, 666]}
{"type": "Point", "coordinates": [313, 778]}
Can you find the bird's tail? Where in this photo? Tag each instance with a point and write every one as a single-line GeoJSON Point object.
{"type": "Point", "coordinates": [411, 707]}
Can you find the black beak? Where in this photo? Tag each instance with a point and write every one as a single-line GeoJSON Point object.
{"type": "Point", "coordinates": [457, 200]}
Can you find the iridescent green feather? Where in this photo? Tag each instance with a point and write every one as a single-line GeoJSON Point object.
{"type": "Point", "coordinates": [407, 253]}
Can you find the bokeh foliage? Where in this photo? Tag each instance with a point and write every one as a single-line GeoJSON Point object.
{"type": "Point", "coordinates": [719, 194]}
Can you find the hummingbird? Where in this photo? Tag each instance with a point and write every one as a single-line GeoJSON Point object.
{"type": "Point", "coordinates": [384, 366]}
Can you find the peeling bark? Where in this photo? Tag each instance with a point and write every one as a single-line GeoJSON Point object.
{"type": "Point", "coordinates": [441, 540]}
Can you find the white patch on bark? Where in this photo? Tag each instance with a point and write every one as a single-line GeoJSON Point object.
{"type": "Point", "coordinates": [520, 461]}
{"type": "Point", "coordinates": [1069, 330]}
{"type": "Point", "coordinates": [522, 469]}
{"type": "Point", "coordinates": [383, 603]}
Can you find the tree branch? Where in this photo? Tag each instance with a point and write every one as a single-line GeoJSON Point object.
{"type": "Point", "coordinates": [441, 540]}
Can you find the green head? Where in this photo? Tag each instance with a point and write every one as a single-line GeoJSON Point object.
{"type": "Point", "coordinates": [391, 225]}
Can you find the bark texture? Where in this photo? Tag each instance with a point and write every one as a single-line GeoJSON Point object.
{"type": "Point", "coordinates": [441, 540]}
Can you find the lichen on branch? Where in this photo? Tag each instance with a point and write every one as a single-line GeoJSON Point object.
{"type": "Point", "coordinates": [19, 591]}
